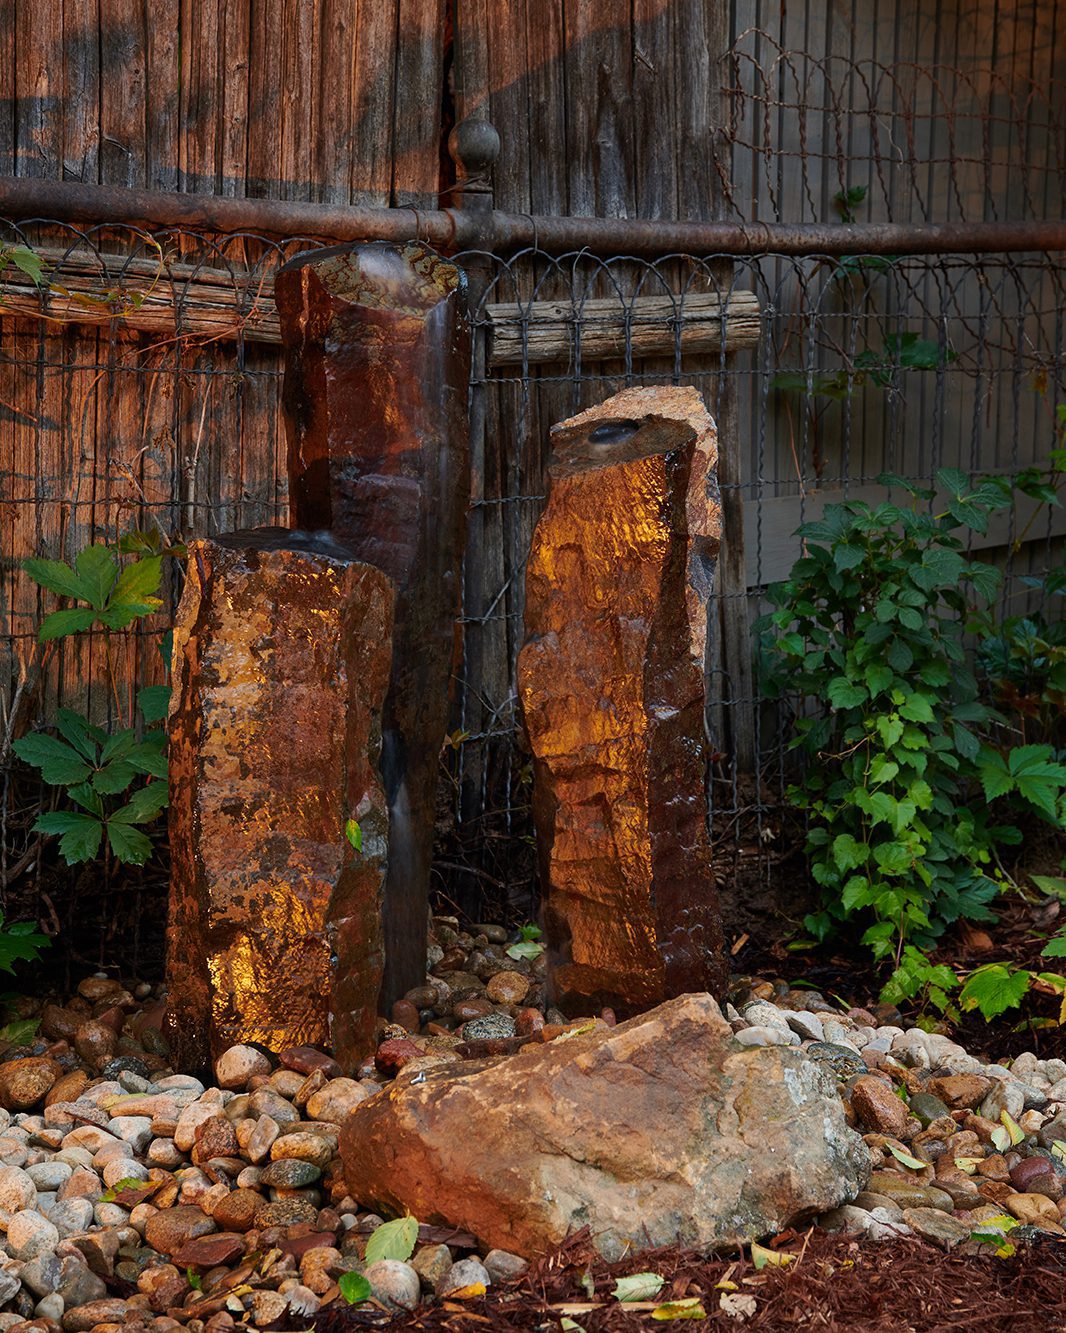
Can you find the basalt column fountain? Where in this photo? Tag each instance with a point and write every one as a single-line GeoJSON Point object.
{"type": "Point", "coordinates": [282, 651]}
{"type": "Point", "coordinates": [611, 677]}
{"type": "Point", "coordinates": [376, 377]}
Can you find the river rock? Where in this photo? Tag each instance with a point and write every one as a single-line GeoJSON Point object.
{"type": "Point", "coordinates": [611, 678]}
{"type": "Point", "coordinates": [658, 1131]}
{"type": "Point", "coordinates": [377, 358]}
{"type": "Point", "coordinates": [25, 1082]}
{"type": "Point", "coordinates": [275, 916]}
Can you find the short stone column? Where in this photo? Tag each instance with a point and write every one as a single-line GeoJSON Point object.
{"type": "Point", "coordinates": [377, 363]}
{"type": "Point", "coordinates": [282, 648]}
{"type": "Point", "coordinates": [611, 678]}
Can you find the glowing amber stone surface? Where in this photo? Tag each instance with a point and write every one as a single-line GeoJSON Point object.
{"type": "Point", "coordinates": [377, 362]}
{"type": "Point", "coordinates": [611, 677]}
{"type": "Point", "coordinates": [282, 648]}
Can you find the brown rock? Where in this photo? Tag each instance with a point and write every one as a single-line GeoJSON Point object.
{"type": "Point", "coordinates": [1034, 1210]}
{"type": "Point", "coordinates": [375, 396]}
{"type": "Point", "coordinates": [238, 1210]}
{"type": "Point", "coordinates": [392, 1055]}
{"type": "Point", "coordinates": [655, 1132]}
{"type": "Point", "coordinates": [59, 1024]}
{"type": "Point", "coordinates": [611, 678]}
{"type": "Point", "coordinates": [305, 1060]}
{"type": "Point", "coordinates": [961, 1090]}
{"type": "Point", "coordinates": [95, 1043]}
{"type": "Point", "coordinates": [215, 1137]}
{"type": "Point", "coordinates": [878, 1106]}
{"type": "Point", "coordinates": [273, 748]}
{"type": "Point", "coordinates": [171, 1228]}
{"type": "Point", "coordinates": [208, 1251]}
{"type": "Point", "coordinates": [406, 1014]}
{"type": "Point", "coordinates": [68, 1088]}
{"type": "Point", "coordinates": [23, 1083]}
{"type": "Point", "coordinates": [507, 988]}
{"type": "Point", "coordinates": [109, 1311]}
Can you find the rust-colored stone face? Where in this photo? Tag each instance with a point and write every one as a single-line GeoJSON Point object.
{"type": "Point", "coordinates": [611, 678]}
{"type": "Point", "coordinates": [376, 376]}
{"type": "Point", "coordinates": [282, 649]}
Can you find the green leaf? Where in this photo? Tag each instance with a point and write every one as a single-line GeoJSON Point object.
{"type": "Point", "coordinates": [80, 732]}
{"type": "Point", "coordinates": [354, 834]}
{"type": "Point", "coordinates": [57, 576]}
{"type": "Point", "coordinates": [139, 581]}
{"type": "Point", "coordinates": [905, 1158]}
{"type": "Point", "coordinates": [148, 757]}
{"type": "Point", "coordinates": [19, 1032]}
{"type": "Point", "coordinates": [19, 943]}
{"type": "Point", "coordinates": [638, 1287]}
{"type": "Point", "coordinates": [762, 1257]}
{"type": "Point", "coordinates": [113, 777]}
{"type": "Point", "coordinates": [890, 729]}
{"type": "Point", "coordinates": [354, 1288]}
{"type": "Point", "coordinates": [117, 615]}
{"type": "Point", "coordinates": [842, 693]}
{"type": "Point", "coordinates": [1051, 884]}
{"type": "Point", "coordinates": [97, 570]}
{"type": "Point", "coordinates": [993, 989]}
{"type": "Point", "coordinates": [144, 804]}
{"type": "Point", "coordinates": [61, 623]}
{"type": "Point", "coordinates": [28, 262]}
{"type": "Point", "coordinates": [60, 765]}
{"type": "Point", "coordinates": [527, 949]}
{"type": "Point", "coordinates": [882, 769]}
{"type": "Point", "coordinates": [154, 702]}
{"type": "Point", "coordinates": [130, 845]}
{"type": "Point", "coordinates": [393, 1240]}
{"type": "Point", "coordinates": [918, 708]}
{"type": "Point", "coordinates": [878, 679]}
{"type": "Point", "coordinates": [849, 854]}
{"type": "Point", "coordinates": [81, 834]}
{"type": "Point", "coordinates": [1055, 947]}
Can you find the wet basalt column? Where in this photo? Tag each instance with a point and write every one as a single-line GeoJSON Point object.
{"type": "Point", "coordinates": [611, 677]}
{"type": "Point", "coordinates": [282, 648]}
{"type": "Point", "coordinates": [376, 377]}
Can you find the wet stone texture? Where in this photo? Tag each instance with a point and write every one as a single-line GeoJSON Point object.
{"type": "Point", "coordinates": [611, 678]}
{"type": "Point", "coordinates": [282, 648]}
{"type": "Point", "coordinates": [376, 376]}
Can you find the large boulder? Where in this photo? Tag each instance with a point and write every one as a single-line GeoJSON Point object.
{"type": "Point", "coordinates": [660, 1130]}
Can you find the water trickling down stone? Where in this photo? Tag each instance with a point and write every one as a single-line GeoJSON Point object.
{"type": "Point", "coordinates": [376, 377]}
{"type": "Point", "coordinates": [282, 646]}
{"type": "Point", "coordinates": [611, 678]}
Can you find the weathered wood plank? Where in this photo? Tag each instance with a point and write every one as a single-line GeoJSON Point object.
{"type": "Point", "coordinates": [199, 301]}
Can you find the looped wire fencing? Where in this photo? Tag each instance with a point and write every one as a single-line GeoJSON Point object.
{"type": "Point", "coordinates": [141, 387]}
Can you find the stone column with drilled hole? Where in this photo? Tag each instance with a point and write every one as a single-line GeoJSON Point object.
{"type": "Point", "coordinates": [611, 679]}
{"type": "Point", "coordinates": [282, 650]}
{"type": "Point", "coordinates": [377, 361]}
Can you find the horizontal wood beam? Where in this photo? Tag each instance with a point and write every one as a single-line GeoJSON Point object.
{"type": "Point", "coordinates": [772, 547]}
{"type": "Point", "coordinates": [540, 332]}
{"type": "Point", "coordinates": [167, 299]}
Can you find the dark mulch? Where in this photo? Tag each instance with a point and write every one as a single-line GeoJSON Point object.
{"type": "Point", "coordinates": [836, 1282]}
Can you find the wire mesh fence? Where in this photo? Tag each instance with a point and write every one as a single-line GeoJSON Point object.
{"type": "Point", "coordinates": [140, 387]}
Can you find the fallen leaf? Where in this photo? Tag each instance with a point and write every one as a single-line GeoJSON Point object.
{"type": "Point", "coordinates": [1000, 1138]}
{"type": "Point", "coordinates": [967, 1164]}
{"type": "Point", "coordinates": [468, 1293]}
{"type": "Point", "coordinates": [906, 1158]}
{"type": "Point", "coordinates": [726, 1286]}
{"type": "Point", "coordinates": [354, 1287]}
{"type": "Point", "coordinates": [761, 1256]}
{"type": "Point", "coordinates": [392, 1240]}
{"type": "Point", "coordinates": [1017, 1134]}
{"type": "Point", "coordinates": [1058, 1149]}
{"type": "Point", "coordinates": [738, 1307]}
{"type": "Point", "coordinates": [571, 1325]}
{"type": "Point", "coordinates": [687, 1309]}
{"type": "Point", "coordinates": [738, 945]}
{"type": "Point", "coordinates": [638, 1287]}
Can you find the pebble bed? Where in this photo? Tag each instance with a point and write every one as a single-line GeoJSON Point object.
{"type": "Point", "coordinates": [134, 1196]}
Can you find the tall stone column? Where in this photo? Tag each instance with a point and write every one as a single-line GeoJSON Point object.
{"type": "Point", "coordinates": [611, 678]}
{"type": "Point", "coordinates": [282, 648]}
{"type": "Point", "coordinates": [376, 378]}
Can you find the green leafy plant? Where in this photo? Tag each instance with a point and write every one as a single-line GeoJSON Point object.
{"type": "Point", "coordinates": [20, 942]}
{"type": "Point", "coordinates": [867, 638]}
{"type": "Point", "coordinates": [114, 782]}
{"type": "Point", "coordinates": [880, 367]}
{"type": "Point", "coordinates": [354, 1287]}
{"type": "Point", "coordinates": [527, 945]}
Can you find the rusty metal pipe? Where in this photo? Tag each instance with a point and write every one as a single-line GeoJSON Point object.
{"type": "Point", "coordinates": [453, 229]}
